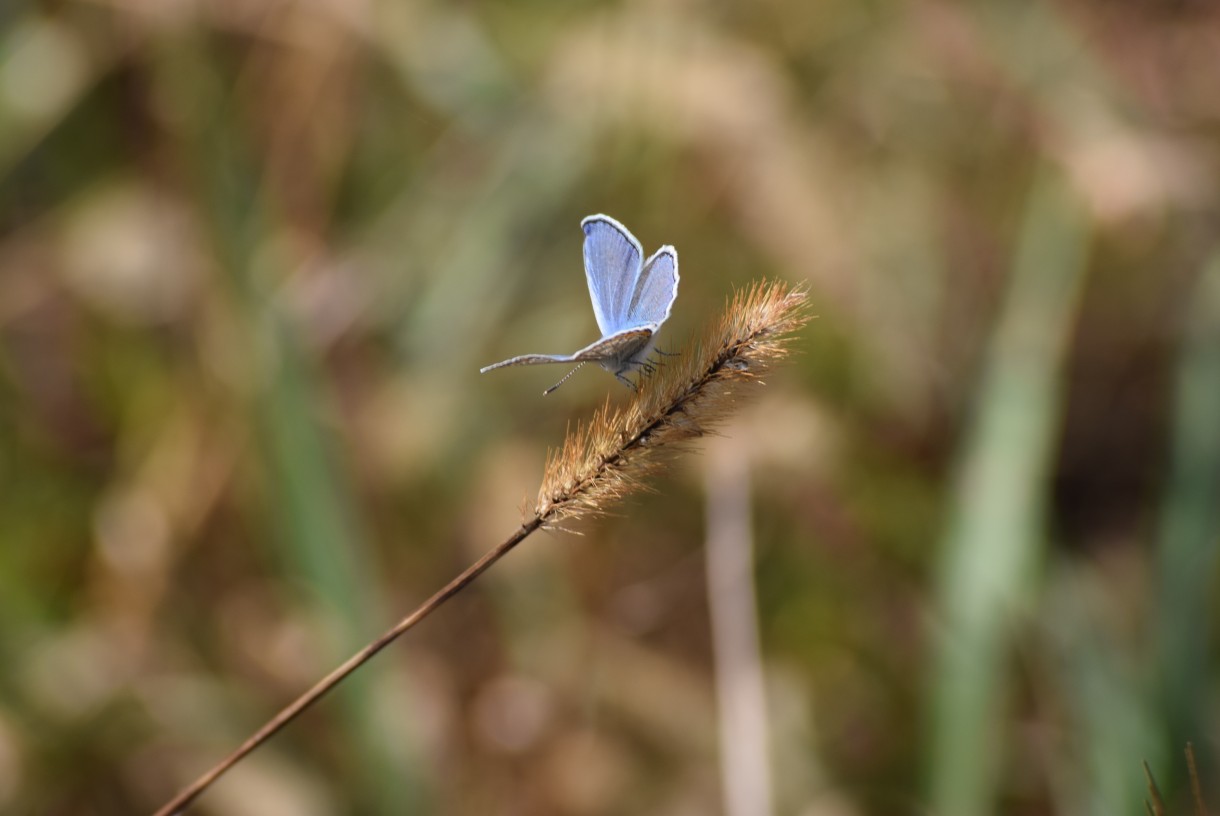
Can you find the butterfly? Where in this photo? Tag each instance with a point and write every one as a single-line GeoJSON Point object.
{"type": "Point", "coordinates": [631, 296]}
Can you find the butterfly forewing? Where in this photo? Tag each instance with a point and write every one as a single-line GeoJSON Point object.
{"type": "Point", "coordinates": [613, 259]}
{"type": "Point", "coordinates": [530, 359]}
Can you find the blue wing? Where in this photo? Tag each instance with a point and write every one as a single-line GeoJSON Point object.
{"type": "Point", "coordinates": [656, 289]}
{"type": "Point", "coordinates": [613, 261]}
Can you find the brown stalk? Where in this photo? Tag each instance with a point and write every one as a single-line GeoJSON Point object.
{"type": "Point", "coordinates": [602, 461]}
{"type": "Point", "coordinates": [1155, 807]}
{"type": "Point", "coordinates": [1196, 788]}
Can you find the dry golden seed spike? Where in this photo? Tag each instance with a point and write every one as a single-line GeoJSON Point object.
{"type": "Point", "coordinates": [608, 457]}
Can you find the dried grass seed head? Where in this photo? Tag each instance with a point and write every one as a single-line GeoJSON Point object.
{"type": "Point", "coordinates": [613, 453]}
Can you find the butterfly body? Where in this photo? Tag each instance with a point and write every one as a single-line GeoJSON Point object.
{"type": "Point", "coordinates": [631, 297]}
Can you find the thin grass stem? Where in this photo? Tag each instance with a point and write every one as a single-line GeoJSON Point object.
{"type": "Point", "coordinates": [601, 462]}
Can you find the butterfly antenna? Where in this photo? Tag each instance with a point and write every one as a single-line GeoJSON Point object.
{"type": "Point", "coordinates": [564, 380]}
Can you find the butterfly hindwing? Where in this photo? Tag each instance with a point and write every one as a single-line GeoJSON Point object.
{"type": "Point", "coordinates": [655, 289]}
{"type": "Point", "coordinates": [618, 352]}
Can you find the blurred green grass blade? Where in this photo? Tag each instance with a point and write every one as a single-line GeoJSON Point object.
{"type": "Point", "coordinates": [1108, 725]}
{"type": "Point", "coordinates": [1190, 536]}
{"type": "Point", "coordinates": [993, 538]}
{"type": "Point", "coordinates": [1116, 728]}
{"type": "Point", "coordinates": [321, 541]}
{"type": "Point", "coordinates": [309, 497]}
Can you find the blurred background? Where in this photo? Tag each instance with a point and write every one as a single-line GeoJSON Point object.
{"type": "Point", "coordinates": [253, 254]}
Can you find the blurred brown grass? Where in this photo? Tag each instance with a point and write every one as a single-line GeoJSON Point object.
{"type": "Point", "coordinates": [253, 254]}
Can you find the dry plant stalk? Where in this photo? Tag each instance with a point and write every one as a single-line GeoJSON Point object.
{"type": "Point", "coordinates": [604, 460]}
{"type": "Point", "coordinates": [1155, 807]}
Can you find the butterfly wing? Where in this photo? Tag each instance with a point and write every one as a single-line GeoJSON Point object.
{"type": "Point", "coordinates": [532, 359]}
{"type": "Point", "coordinates": [614, 353]}
{"type": "Point", "coordinates": [613, 262]}
{"type": "Point", "coordinates": [656, 290]}
{"type": "Point", "coordinates": [618, 351]}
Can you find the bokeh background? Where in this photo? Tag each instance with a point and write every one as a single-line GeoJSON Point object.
{"type": "Point", "coordinates": [253, 253]}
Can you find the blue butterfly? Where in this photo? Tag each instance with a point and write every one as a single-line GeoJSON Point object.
{"type": "Point", "coordinates": [631, 296]}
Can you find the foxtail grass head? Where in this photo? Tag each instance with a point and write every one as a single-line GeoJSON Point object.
{"type": "Point", "coordinates": [611, 455]}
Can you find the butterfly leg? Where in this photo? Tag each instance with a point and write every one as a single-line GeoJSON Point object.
{"type": "Point", "coordinates": [652, 365]}
{"type": "Point", "coordinates": [625, 381]}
